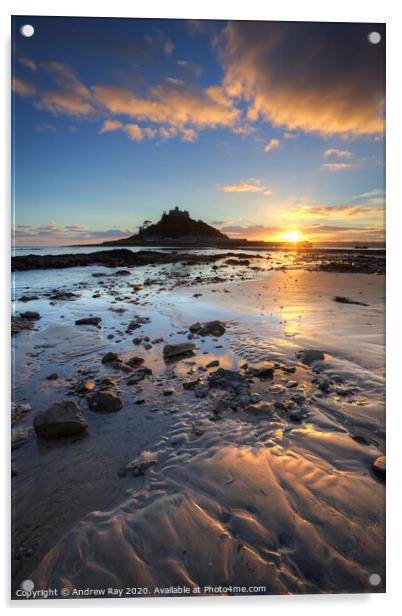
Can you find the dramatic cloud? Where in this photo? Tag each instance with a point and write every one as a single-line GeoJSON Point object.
{"type": "Point", "coordinates": [323, 78]}
{"type": "Point", "coordinates": [337, 153]}
{"type": "Point", "coordinates": [335, 211]}
{"type": "Point", "coordinates": [314, 232]}
{"type": "Point", "coordinates": [272, 145]}
{"type": "Point", "coordinates": [336, 166]}
{"type": "Point", "coordinates": [134, 131]}
{"type": "Point", "coordinates": [170, 104]}
{"type": "Point", "coordinates": [250, 186]}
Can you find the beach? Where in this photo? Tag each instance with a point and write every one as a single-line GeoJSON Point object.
{"type": "Point", "coordinates": [243, 459]}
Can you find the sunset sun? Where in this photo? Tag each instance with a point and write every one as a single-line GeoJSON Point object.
{"type": "Point", "coordinates": [292, 236]}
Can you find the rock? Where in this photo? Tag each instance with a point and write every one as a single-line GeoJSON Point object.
{"type": "Point", "coordinates": [19, 437]}
{"type": "Point", "coordinates": [260, 408]}
{"type": "Point", "coordinates": [289, 369]}
{"type": "Point", "coordinates": [346, 300]}
{"type": "Point", "coordinates": [34, 316]}
{"type": "Point", "coordinates": [109, 357]}
{"type": "Point", "coordinates": [169, 391]}
{"type": "Point", "coordinates": [147, 346]}
{"type": "Point", "coordinates": [379, 466]}
{"type": "Point", "coordinates": [211, 328]}
{"type": "Point", "coordinates": [141, 464]}
{"type": "Point", "coordinates": [136, 323]}
{"type": "Point", "coordinates": [201, 390]}
{"type": "Point", "coordinates": [295, 414]}
{"type": "Point", "coordinates": [172, 351]}
{"type": "Point", "coordinates": [135, 361]}
{"type": "Point", "coordinates": [61, 419]}
{"type": "Point", "coordinates": [88, 321]}
{"type": "Point", "coordinates": [213, 364]}
{"type": "Point", "coordinates": [28, 298]}
{"type": "Point", "coordinates": [309, 356]}
{"type": "Point", "coordinates": [191, 384]}
{"type": "Point", "coordinates": [105, 400]}
{"type": "Point", "coordinates": [63, 295]}
{"type": "Point", "coordinates": [53, 376]}
{"type": "Point", "coordinates": [263, 373]}
{"type": "Point", "coordinates": [122, 273]}
{"type": "Point", "coordinates": [228, 379]}
{"type": "Point", "coordinates": [139, 375]}
{"type": "Point", "coordinates": [323, 383]}
{"type": "Point", "coordinates": [255, 398]}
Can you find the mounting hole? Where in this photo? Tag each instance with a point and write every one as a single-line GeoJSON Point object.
{"type": "Point", "coordinates": [374, 579]}
{"type": "Point", "coordinates": [374, 38]}
{"type": "Point", "coordinates": [28, 585]}
{"type": "Point", "coordinates": [27, 30]}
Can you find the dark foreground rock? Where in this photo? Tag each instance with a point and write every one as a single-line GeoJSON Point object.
{"type": "Point", "coordinates": [173, 351]}
{"type": "Point", "coordinates": [309, 356]}
{"type": "Point", "coordinates": [346, 300]}
{"type": "Point", "coordinates": [211, 328]}
{"type": "Point", "coordinates": [88, 321]}
{"type": "Point", "coordinates": [121, 257]}
{"type": "Point", "coordinates": [228, 379]}
{"type": "Point", "coordinates": [61, 419]}
{"type": "Point", "coordinates": [105, 400]}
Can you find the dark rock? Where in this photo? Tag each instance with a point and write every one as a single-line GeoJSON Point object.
{"type": "Point", "coordinates": [28, 298]}
{"type": "Point", "coordinates": [210, 328]}
{"type": "Point", "coordinates": [105, 400]}
{"type": "Point", "coordinates": [88, 321]}
{"type": "Point", "coordinates": [135, 361]}
{"type": "Point", "coordinates": [263, 373]}
{"type": "Point", "coordinates": [53, 376]}
{"type": "Point", "coordinates": [228, 379]}
{"type": "Point", "coordinates": [346, 300]}
{"type": "Point", "coordinates": [109, 357]}
{"type": "Point", "coordinates": [61, 419]}
{"type": "Point", "coordinates": [309, 356]}
{"type": "Point", "coordinates": [201, 390]}
{"type": "Point", "coordinates": [34, 316]}
{"type": "Point", "coordinates": [173, 351]}
{"type": "Point", "coordinates": [213, 364]}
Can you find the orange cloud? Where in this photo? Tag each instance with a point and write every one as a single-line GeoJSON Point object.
{"type": "Point", "coordinates": [250, 186]}
{"type": "Point", "coordinates": [338, 153]}
{"type": "Point", "coordinates": [22, 88]}
{"type": "Point", "coordinates": [272, 145]}
{"type": "Point", "coordinates": [179, 107]}
{"type": "Point", "coordinates": [302, 77]}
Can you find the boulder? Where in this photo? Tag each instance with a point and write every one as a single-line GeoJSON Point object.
{"type": "Point", "coordinates": [211, 328]}
{"type": "Point", "coordinates": [309, 356]}
{"type": "Point", "coordinates": [172, 351]}
{"type": "Point", "coordinates": [105, 400]}
{"type": "Point", "coordinates": [228, 379]}
{"type": "Point", "coordinates": [30, 315]}
{"type": "Point", "coordinates": [109, 357]}
{"type": "Point", "coordinates": [61, 419]}
{"type": "Point", "coordinates": [88, 321]}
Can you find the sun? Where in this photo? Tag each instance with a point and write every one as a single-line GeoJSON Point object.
{"type": "Point", "coordinates": [292, 236]}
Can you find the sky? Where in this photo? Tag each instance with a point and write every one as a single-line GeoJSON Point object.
{"type": "Point", "coordinates": [266, 130]}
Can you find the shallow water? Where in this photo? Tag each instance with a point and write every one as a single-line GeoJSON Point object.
{"type": "Point", "coordinates": [246, 500]}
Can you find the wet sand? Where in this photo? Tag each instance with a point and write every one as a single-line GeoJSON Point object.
{"type": "Point", "coordinates": [240, 497]}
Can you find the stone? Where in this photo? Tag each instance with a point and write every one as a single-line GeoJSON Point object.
{"type": "Point", "coordinates": [141, 464]}
{"type": "Point", "coordinates": [379, 466]}
{"type": "Point", "coordinates": [263, 373]}
{"type": "Point", "coordinates": [323, 383]}
{"type": "Point", "coordinates": [61, 419]}
{"type": "Point", "coordinates": [53, 376]}
{"type": "Point", "coordinates": [109, 357]}
{"type": "Point", "coordinates": [105, 400]}
{"type": "Point", "coordinates": [228, 379]}
{"type": "Point", "coordinates": [173, 351]}
{"type": "Point", "coordinates": [88, 321]}
{"type": "Point", "coordinates": [210, 328]}
{"type": "Point", "coordinates": [309, 356]}
{"type": "Point", "coordinates": [213, 364]}
{"type": "Point", "coordinates": [135, 361]}
{"type": "Point", "coordinates": [201, 390]}
{"type": "Point", "coordinates": [169, 391]}
{"type": "Point", "coordinates": [30, 315]}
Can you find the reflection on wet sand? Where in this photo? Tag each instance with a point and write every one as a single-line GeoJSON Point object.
{"type": "Point", "coordinates": [266, 480]}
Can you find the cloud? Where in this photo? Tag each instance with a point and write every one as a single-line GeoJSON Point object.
{"type": "Point", "coordinates": [272, 145]}
{"type": "Point", "coordinates": [28, 63]}
{"type": "Point", "coordinates": [248, 186]}
{"type": "Point", "coordinates": [23, 88]}
{"type": "Point", "coordinates": [315, 232]}
{"type": "Point", "coordinates": [322, 78]}
{"type": "Point", "coordinates": [336, 166]}
{"type": "Point", "coordinates": [138, 133]}
{"type": "Point", "coordinates": [335, 211]}
{"type": "Point", "coordinates": [53, 234]}
{"type": "Point", "coordinates": [338, 153]}
{"type": "Point", "coordinates": [176, 106]}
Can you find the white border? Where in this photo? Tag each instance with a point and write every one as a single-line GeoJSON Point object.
{"type": "Point", "coordinates": [292, 10]}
